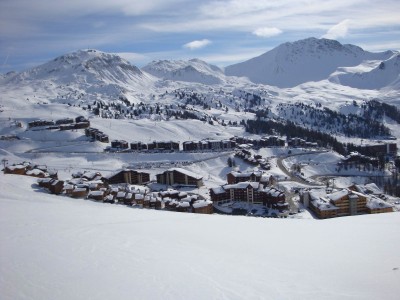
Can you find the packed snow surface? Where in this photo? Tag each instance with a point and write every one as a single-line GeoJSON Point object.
{"type": "Point", "coordinates": [54, 247]}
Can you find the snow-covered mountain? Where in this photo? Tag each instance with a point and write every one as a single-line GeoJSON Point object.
{"type": "Point", "coordinates": [80, 73]}
{"type": "Point", "coordinates": [194, 70]}
{"type": "Point", "coordinates": [382, 74]}
{"type": "Point", "coordinates": [311, 59]}
{"type": "Point", "coordinates": [318, 71]}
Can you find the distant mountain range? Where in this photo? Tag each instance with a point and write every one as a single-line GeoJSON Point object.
{"type": "Point", "coordinates": [286, 66]}
{"type": "Point", "coordinates": [194, 70]}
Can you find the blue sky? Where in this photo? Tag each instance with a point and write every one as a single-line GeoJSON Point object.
{"type": "Point", "coordinates": [221, 32]}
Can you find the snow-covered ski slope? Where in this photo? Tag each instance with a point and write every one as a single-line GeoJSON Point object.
{"type": "Point", "coordinates": [53, 247]}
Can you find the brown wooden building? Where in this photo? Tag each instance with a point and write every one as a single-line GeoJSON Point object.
{"type": "Point", "coordinates": [128, 176]}
{"type": "Point", "coordinates": [236, 177]}
{"type": "Point", "coordinates": [179, 176]}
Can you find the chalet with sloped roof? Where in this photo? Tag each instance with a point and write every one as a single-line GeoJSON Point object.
{"type": "Point", "coordinates": [128, 176]}
{"type": "Point", "coordinates": [179, 176]}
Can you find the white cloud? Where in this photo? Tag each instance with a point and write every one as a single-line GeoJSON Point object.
{"type": "Point", "coordinates": [338, 31]}
{"type": "Point", "coordinates": [197, 44]}
{"type": "Point", "coordinates": [267, 31]}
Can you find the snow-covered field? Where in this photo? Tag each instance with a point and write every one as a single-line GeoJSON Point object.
{"type": "Point", "coordinates": [53, 247]}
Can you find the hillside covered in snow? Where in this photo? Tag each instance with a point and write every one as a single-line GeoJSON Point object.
{"type": "Point", "coordinates": [79, 75]}
{"type": "Point", "coordinates": [63, 248]}
{"type": "Point", "coordinates": [312, 59]}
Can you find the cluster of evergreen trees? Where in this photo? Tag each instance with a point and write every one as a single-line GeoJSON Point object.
{"type": "Point", "coordinates": [327, 120]}
{"type": "Point", "coordinates": [375, 109]}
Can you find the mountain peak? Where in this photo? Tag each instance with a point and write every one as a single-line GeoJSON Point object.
{"type": "Point", "coordinates": [82, 63]}
{"type": "Point", "coordinates": [87, 70]}
{"type": "Point", "coordinates": [294, 63]}
{"type": "Point", "coordinates": [193, 70]}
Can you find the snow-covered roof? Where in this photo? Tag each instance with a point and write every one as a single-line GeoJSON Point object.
{"type": "Point", "coordinates": [218, 190]}
{"type": "Point", "coordinates": [376, 203]}
{"type": "Point", "coordinates": [96, 193]}
{"type": "Point", "coordinates": [121, 194]}
{"type": "Point", "coordinates": [201, 203]}
{"type": "Point", "coordinates": [246, 174]}
{"type": "Point", "coordinates": [68, 187]}
{"type": "Point", "coordinates": [265, 177]}
{"type": "Point", "coordinates": [109, 197]}
{"type": "Point", "coordinates": [361, 188]}
{"type": "Point", "coordinates": [373, 189]}
{"type": "Point", "coordinates": [139, 196]}
{"type": "Point", "coordinates": [35, 172]}
{"type": "Point", "coordinates": [93, 185]}
{"type": "Point", "coordinates": [183, 204]}
{"type": "Point", "coordinates": [242, 185]}
{"type": "Point", "coordinates": [338, 195]}
{"type": "Point", "coordinates": [186, 172]}
{"type": "Point", "coordinates": [45, 180]}
{"type": "Point", "coordinates": [323, 204]}
{"type": "Point", "coordinates": [186, 199]}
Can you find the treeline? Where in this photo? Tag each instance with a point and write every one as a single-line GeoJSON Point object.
{"type": "Point", "coordinates": [376, 110]}
{"type": "Point", "coordinates": [331, 121]}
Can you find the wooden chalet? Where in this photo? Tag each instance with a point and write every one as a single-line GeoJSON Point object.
{"type": "Point", "coordinates": [68, 189]}
{"type": "Point", "coordinates": [15, 169]}
{"type": "Point", "coordinates": [183, 206]}
{"type": "Point", "coordinates": [97, 195]}
{"type": "Point", "coordinates": [344, 202]}
{"type": "Point", "coordinates": [56, 187]}
{"type": "Point", "coordinates": [348, 202]}
{"type": "Point", "coordinates": [80, 119]}
{"type": "Point", "coordinates": [202, 207]}
{"type": "Point", "coordinates": [45, 182]}
{"type": "Point", "coordinates": [179, 176]}
{"type": "Point", "coordinates": [79, 192]}
{"type": "Point", "coordinates": [129, 197]}
{"type": "Point", "coordinates": [138, 146]}
{"type": "Point", "coordinates": [119, 144]}
{"type": "Point", "coordinates": [378, 206]}
{"type": "Point", "coordinates": [163, 146]}
{"type": "Point", "coordinates": [139, 199]}
{"type": "Point", "coordinates": [82, 125]}
{"type": "Point", "coordinates": [236, 177]}
{"type": "Point", "coordinates": [40, 123]}
{"type": "Point", "coordinates": [67, 127]}
{"type": "Point", "coordinates": [120, 197]}
{"type": "Point", "coordinates": [146, 202]}
{"type": "Point", "coordinates": [190, 146]}
{"type": "Point", "coordinates": [64, 121]}
{"type": "Point", "coordinates": [128, 176]}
